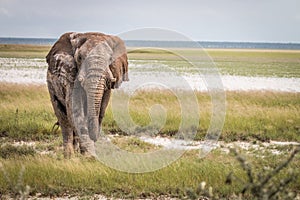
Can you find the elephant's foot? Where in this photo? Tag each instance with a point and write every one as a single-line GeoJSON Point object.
{"type": "Point", "coordinates": [68, 150]}
{"type": "Point", "coordinates": [87, 146]}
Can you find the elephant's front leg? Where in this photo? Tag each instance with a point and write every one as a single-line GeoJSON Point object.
{"type": "Point", "coordinates": [68, 138]}
{"type": "Point", "coordinates": [60, 111]}
{"type": "Point", "coordinates": [72, 139]}
{"type": "Point", "coordinates": [66, 129]}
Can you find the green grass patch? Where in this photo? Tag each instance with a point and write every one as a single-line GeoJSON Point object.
{"type": "Point", "coordinates": [78, 176]}
{"type": "Point", "coordinates": [10, 151]}
{"type": "Point", "coordinates": [56, 177]}
{"type": "Point", "coordinates": [133, 144]}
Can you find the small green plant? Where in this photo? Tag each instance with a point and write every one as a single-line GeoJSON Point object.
{"type": "Point", "coordinates": [19, 191]}
{"type": "Point", "coordinates": [266, 186]}
{"type": "Point", "coordinates": [202, 192]}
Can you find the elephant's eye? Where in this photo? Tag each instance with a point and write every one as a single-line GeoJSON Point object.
{"type": "Point", "coordinates": [79, 58]}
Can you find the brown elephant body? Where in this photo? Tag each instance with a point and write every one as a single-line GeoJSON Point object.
{"type": "Point", "coordinates": [69, 62]}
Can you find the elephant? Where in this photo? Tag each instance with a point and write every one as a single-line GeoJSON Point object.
{"type": "Point", "coordinates": [83, 68]}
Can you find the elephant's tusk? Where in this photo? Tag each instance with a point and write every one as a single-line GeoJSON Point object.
{"type": "Point", "coordinates": [80, 78]}
{"type": "Point", "coordinates": [111, 76]}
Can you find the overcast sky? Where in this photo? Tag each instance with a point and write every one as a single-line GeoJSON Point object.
{"type": "Point", "coordinates": [210, 20]}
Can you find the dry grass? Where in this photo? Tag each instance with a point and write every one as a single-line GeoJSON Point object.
{"type": "Point", "coordinates": [23, 51]}
{"type": "Point", "coordinates": [26, 111]}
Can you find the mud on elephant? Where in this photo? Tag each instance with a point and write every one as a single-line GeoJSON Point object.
{"type": "Point", "coordinates": [82, 70]}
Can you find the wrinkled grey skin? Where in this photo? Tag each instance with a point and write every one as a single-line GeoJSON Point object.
{"type": "Point", "coordinates": [82, 70]}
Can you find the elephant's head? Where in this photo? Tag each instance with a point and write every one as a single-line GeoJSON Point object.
{"type": "Point", "coordinates": [102, 65]}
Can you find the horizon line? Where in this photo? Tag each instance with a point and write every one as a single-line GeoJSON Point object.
{"type": "Point", "coordinates": [213, 41]}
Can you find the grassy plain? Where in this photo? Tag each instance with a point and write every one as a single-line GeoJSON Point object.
{"type": "Point", "coordinates": [257, 116]}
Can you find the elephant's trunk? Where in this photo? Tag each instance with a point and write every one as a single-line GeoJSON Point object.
{"type": "Point", "coordinates": [94, 98]}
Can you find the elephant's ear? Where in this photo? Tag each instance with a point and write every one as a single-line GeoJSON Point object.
{"type": "Point", "coordinates": [62, 46]}
{"type": "Point", "coordinates": [119, 65]}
